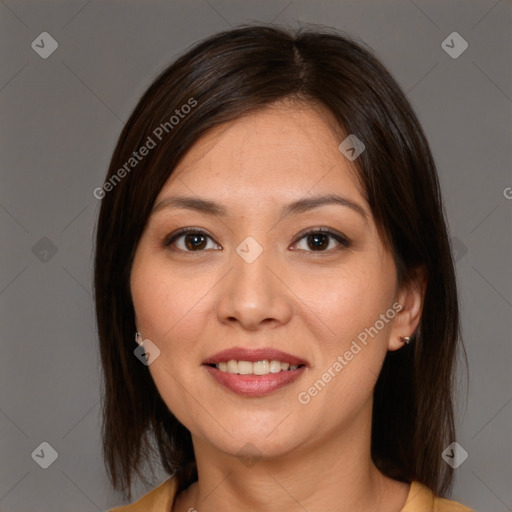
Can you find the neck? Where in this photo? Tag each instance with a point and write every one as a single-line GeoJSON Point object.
{"type": "Point", "coordinates": [337, 474]}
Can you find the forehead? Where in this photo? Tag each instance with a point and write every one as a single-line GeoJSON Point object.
{"type": "Point", "coordinates": [281, 152]}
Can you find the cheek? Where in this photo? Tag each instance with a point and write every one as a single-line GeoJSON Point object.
{"type": "Point", "coordinates": [348, 299]}
{"type": "Point", "coordinates": [351, 305]}
{"type": "Point", "coordinates": [151, 300]}
{"type": "Point", "coordinates": [167, 303]}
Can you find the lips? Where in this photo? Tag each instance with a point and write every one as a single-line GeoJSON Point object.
{"type": "Point", "coordinates": [253, 384]}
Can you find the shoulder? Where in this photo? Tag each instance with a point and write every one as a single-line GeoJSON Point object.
{"type": "Point", "coordinates": [444, 505]}
{"type": "Point", "coordinates": [422, 499]}
{"type": "Point", "coordinates": [159, 499]}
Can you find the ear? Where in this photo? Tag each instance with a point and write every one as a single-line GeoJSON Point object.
{"type": "Point", "coordinates": [411, 297]}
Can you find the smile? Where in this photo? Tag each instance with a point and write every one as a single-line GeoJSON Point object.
{"type": "Point", "coordinates": [254, 372]}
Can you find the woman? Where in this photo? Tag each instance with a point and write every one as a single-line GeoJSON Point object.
{"type": "Point", "coordinates": [272, 233]}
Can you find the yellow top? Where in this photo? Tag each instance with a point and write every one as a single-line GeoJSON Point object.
{"type": "Point", "coordinates": [419, 499]}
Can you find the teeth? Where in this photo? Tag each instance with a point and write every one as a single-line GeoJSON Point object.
{"type": "Point", "coordinates": [232, 367]}
{"type": "Point", "coordinates": [263, 367]}
{"type": "Point", "coordinates": [260, 367]}
{"type": "Point", "coordinates": [275, 366]}
{"type": "Point", "coordinates": [245, 367]}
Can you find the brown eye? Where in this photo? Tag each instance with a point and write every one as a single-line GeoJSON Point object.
{"type": "Point", "coordinates": [319, 240]}
{"type": "Point", "coordinates": [189, 240]}
{"type": "Point", "coordinates": [195, 241]}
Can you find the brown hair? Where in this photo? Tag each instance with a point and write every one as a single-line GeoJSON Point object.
{"type": "Point", "coordinates": [228, 75]}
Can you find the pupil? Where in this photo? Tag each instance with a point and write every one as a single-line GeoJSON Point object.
{"type": "Point", "coordinates": [193, 244]}
{"type": "Point", "coordinates": [318, 239]}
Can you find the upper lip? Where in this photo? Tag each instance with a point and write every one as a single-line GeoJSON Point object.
{"type": "Point", "coordinates": [253, 355]}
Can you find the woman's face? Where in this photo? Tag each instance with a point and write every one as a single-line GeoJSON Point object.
{"type": "Point", "coordinates": [247, 277]}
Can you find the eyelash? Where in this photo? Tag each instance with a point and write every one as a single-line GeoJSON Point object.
{"type": "Point", "coordinates": [343, 241]}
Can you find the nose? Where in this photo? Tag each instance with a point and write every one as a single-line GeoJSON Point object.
{"type": "Point", "coordinates": [254, 294]}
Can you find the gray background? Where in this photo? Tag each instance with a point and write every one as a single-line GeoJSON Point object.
{"type": "Point", "coordinates": [61, 117]}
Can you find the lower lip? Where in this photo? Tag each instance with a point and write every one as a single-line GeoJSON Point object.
{"type": "Point", "coordinates": [255, 385]}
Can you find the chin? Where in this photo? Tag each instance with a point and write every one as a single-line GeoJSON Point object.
{"type": "Point", "coordinates": [254, 442]}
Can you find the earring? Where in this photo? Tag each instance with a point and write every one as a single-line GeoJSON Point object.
{"type": "Point", "coordinates": [137, 335]}
{"type": "Point", "coordinates": [405, 339]}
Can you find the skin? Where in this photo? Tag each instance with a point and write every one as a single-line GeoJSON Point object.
{"type": "Point", "coordinates": [310, 303]}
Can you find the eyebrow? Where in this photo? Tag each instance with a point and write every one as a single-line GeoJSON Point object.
{"type": "Point", "coordinates": [301, 205]}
